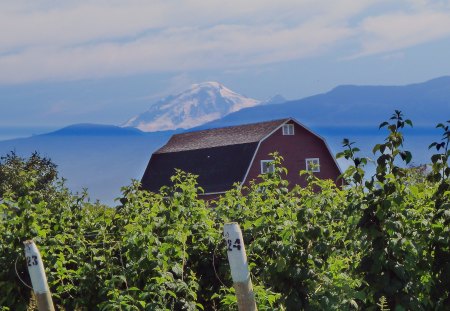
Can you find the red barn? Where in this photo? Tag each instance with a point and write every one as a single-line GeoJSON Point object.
{"type": "Point", "coordinates": [223, 156]}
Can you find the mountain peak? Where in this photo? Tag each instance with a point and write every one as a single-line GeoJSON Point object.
{"type": "Point", "coordinates": [199, 104]}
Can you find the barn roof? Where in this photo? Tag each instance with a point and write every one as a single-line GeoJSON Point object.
{"type": "Point", "coordinates": [226, 136]}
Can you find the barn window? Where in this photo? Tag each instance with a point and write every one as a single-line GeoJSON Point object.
{"type": "Point", "coordinates": [288, 129]}
{"type": "Point", "coordinates": [313, 164]}
{"type": "Point", "coordinates": [267, 166]}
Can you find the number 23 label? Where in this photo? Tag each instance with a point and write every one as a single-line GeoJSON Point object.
{"type": "Point", "coordinates": [32, 261]}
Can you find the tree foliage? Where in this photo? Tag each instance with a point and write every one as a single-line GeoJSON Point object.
{"type": "Point", "coordinates": [16, 174]}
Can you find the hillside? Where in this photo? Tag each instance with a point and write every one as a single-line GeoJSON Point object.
{"type": "Point", "coordinates": [425, 103]}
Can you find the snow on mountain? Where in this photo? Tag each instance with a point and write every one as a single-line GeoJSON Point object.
{"type": "Point", "coordinates": [200, 104]}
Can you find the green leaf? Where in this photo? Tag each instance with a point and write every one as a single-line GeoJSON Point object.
{"type": "Point", "coordinates": [435, 158]}
{"type": "Point", "coordinates": [376, 148]}
{"type": "Point", "coordinates": [383, 124]}
{"type": "Point", "coordinates": [432, 145]}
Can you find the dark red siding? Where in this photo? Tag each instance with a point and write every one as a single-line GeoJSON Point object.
{"type": "Point", "coordinates": [295, 149]}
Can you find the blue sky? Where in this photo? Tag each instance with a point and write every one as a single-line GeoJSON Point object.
{"type": "Point", "coordinates": [65, 62]}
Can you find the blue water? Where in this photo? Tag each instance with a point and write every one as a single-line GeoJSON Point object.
{"type": "Point", "coordinates": [104, 164]}
{"type": "Point", "coordinates": [416, 140]}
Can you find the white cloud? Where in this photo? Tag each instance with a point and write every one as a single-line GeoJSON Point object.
{"type": "Point", "coordinates": [394, 32]}
{"type": "Point", "coordinates": [82, 39]}
{"type": "Point", "coordinates": [175, 49]}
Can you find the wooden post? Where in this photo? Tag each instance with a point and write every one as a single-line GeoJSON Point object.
{"type": "Point", "coordinates": [239, 267]}
{"type": "Point", "coordinates": [38, 277]}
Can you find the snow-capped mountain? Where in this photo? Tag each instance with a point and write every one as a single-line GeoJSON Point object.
{"type": "Point", "coordinates": [201, 103]}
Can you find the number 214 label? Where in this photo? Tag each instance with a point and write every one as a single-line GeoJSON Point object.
{"type": "Point", "coordinates": [235, 245]}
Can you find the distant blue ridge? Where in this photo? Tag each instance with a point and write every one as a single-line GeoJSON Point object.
{"type": "Point", "coordinates": [86, 129]}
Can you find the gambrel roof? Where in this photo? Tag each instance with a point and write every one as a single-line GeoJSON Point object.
{"type": "Point", "coordinates": [226, 136]}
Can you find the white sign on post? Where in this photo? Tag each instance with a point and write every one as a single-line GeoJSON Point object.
{"type": "Point", "coordinates": [36, 268]}
{"type": "Point", "coordinates": [240, 274]}
{"type": "Point", "coordinates": [38, 277]}
{"type": "Point", "coordinates": [236, 252]}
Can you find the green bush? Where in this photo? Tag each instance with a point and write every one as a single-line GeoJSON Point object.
{"type": "Point", "coordinates": [379, 241]}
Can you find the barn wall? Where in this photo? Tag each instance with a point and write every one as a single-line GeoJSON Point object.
{"type": "Point", "coordinates": [295, 149]}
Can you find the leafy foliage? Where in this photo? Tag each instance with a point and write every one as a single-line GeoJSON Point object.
{"type": "Point", "coordinates": [16, 173]}
{"type": "Point", "coordinates": [377, 243]}
{"type": "Point", "coordinates": [440, 224]}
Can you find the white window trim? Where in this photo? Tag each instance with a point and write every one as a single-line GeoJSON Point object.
{"type": "Point", "coordinates": [314, 160]}
{"type": "Point", "coordinates": [288, 129]}
{"type": "Point", "coordinates": [271, 168]}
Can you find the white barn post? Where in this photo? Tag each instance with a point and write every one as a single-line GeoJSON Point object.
{"type": "Point", "coordinates": [240, 274]}
{"type": "Point", "coordinates": [38, 277]}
